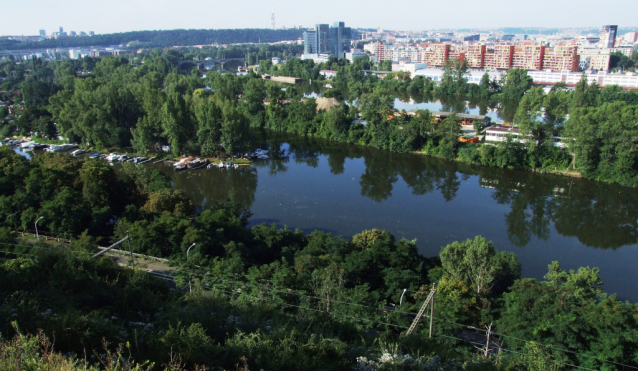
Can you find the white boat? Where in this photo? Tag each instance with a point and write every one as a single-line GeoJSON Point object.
{"type": "Point", "coordinates": [183, 163]}
{"type": "Point", "coordinates": [77, 152]}
{"type": "Point", "coordinates": [112, 157]}
{"type": "Point", "coordinates": [27, 144]}
{"type": "Point", "coordinates": [61, 147]}
{"type": "Point", "coordinates": [221, 165]}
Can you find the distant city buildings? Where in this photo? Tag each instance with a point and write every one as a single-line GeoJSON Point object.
{"type": "Point", "coordinates": [43, 33]}
{"type": "Point", "coordinates": [571, 51]}
{"type": "Point", "coordinates": [323, 39]}
{"type": "Point", "coordinates": [608, 36]}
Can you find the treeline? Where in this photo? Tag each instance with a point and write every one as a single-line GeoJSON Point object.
{"type": "Point", "coordinates": [278, 298]}
{"type": "Point", "coordinates": [150, 104]}
{"type": "Point", "coordinates": [162, 38]}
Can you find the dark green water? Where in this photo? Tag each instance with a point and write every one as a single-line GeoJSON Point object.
{"type": "Point", "coordinates": [344, 189]}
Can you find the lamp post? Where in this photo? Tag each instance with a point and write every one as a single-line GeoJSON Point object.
{"type": "Point", "coordinates": [36, 228]}
{"type": "Point", "coordinates": [189, 249]}
{"type": "Point", "coordinates": [189, 281]}
{"type": "Point", "coordinates": [401, 300]}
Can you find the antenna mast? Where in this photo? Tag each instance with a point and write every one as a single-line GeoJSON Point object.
{"type": "Point", "coordinates": [272, 17]}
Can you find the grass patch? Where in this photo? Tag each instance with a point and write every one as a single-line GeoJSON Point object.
{"type": "Point", "coordinates": [48, 141]}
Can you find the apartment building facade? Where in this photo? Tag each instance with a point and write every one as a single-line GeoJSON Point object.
{"type": "Point", "coordinates": [531, 57]}
{"type": "Point", "coordinates": [561, 58]}
{"type": "Point", "coordinates": [499, 57]}
{"type": "Point", "coordinates": [528, 57]}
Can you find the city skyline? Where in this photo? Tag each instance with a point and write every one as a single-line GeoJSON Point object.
{"type": "Point", "coordinates": [138, 15]}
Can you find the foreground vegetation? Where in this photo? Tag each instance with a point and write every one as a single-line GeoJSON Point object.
{"type": "Point", "coordinates": [269, 298]}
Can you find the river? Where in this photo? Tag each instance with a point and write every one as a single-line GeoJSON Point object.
{"type": "Point", "coordinates": [345, 189]}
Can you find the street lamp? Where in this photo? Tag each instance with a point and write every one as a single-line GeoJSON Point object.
{"type": "Point", "coordinates": [189, 249]}
{"type": "Point", "coordinates": [36, 228]}
{"type": "Point", "coordinates": [189, 281]}
{"type": "Point", "coordinates": [401, 300]}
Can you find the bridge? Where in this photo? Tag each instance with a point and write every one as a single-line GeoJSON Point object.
{"type": "Point", "coordinates": [207, 61]}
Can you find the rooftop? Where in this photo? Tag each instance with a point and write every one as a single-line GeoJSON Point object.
{"type": "Point", "coordinates": [502, 129]}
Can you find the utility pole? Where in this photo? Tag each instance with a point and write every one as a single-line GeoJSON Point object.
{"type": "Point", "coordinates": [427, 301]}
{"type": "Point", "coordinates": [432, 310]}
{"type": "Point", "coordinates": [130, 250]}
{"type": "Point", "coordinates": [272, 17]}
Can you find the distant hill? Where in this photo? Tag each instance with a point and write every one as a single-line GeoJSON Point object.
{"type": "Point", "coordinates": [161, 38]}
{"type": "Point", "coordinates": [545, 31]}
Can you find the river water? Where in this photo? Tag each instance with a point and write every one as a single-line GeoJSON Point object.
{"type": "Point", "coordinates": [345, 189]}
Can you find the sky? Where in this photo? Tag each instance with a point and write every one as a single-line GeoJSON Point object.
{"type": "Point", "coordinates": [107, 16]}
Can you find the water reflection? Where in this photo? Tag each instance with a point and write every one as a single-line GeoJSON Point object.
{"type": "Point", "coordinates": [598, 215]}
{"type": "Point", "coordinates": [603, 217]}
{"type": "Point", "coordinates": [206, 186]}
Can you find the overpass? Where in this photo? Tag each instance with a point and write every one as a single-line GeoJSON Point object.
{"type": "Point", "coordinates": [207, 61]}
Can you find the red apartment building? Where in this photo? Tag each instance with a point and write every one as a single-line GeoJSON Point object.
{"type": "Point", "coordinates": [561, 58]}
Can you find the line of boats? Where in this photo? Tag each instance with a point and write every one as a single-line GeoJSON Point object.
{"type": "Point", "coordinates": [259, 154]}
{"type": "Point", "coordinates": [194, 163]}
{"type": "Point", "coordinates": [191, 163]}
{"type": "Point", "coordinates": [32, 145]}
{"type": "Point", "coordinates": [114, 157]}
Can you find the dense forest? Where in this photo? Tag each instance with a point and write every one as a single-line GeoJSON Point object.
{"type": "Point", "coordinates": [161, 38]}
{"type": "Point", "coordinates": [268, 298]}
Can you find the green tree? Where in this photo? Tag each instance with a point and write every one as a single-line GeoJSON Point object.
{"type": "Point", "coordinates": [478, 264]}
{"type": "Point", "coordinates": [584, 95]}
{"type": "Point", "coordinates": [529, 120]}
{"type": "Point", "coordinates": [209, 132]}
{"type": "Point", "coordinates": [234, 127]}
{"type": "Point", "coordinates": [454, 81]}
{"type": "Point", "coordinates": [176, 123]}
{"type": "Point", "coordinates": [517, 83]}
{"type": "Point", "coordinates": [448, 132]}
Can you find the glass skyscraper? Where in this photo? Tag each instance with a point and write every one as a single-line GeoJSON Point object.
{"type": "Point", "coordinates": [324, 39]}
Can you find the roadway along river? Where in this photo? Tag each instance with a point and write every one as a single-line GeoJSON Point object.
{"type": "Point", "coordinates": [345, 189]}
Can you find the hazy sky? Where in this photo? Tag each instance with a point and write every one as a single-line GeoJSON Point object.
{"type": "Point", "coordinates": [105, 16]}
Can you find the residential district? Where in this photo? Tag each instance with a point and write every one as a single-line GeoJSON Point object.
{"type": "Point", "coordinates": [549, 58]}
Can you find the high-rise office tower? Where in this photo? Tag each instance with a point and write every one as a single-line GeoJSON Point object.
{"type": "Point", "coordinates": [608, 36]}
{"type": "Point", "coordinates": [43, 33]}
{"type": "Point", "coordinates": [324, 39]}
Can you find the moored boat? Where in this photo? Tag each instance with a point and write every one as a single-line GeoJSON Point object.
{"type": "Point", "coordinates": [183, 163]}
{"type": "Point", "coordinates": [197, 164]}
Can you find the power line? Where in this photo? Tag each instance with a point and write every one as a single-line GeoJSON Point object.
{"type": "Point", "coordinates": [435, 319]}
{"type": "Point", "coordinates": [511, 351]}
{"type": "Point", "coordinates": [351, 303]}
{"type": "Point", "coordinates": [313, 309]}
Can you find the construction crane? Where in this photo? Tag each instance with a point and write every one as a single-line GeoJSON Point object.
{"type": "Point", "coordinates": [428, 301]}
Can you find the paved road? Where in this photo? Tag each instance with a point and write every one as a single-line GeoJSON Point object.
{"type": "Point", "coordinates": [122, 260]}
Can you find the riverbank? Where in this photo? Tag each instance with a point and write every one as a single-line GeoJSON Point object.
{"type": "Point", "coordinates": [542, 171]}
